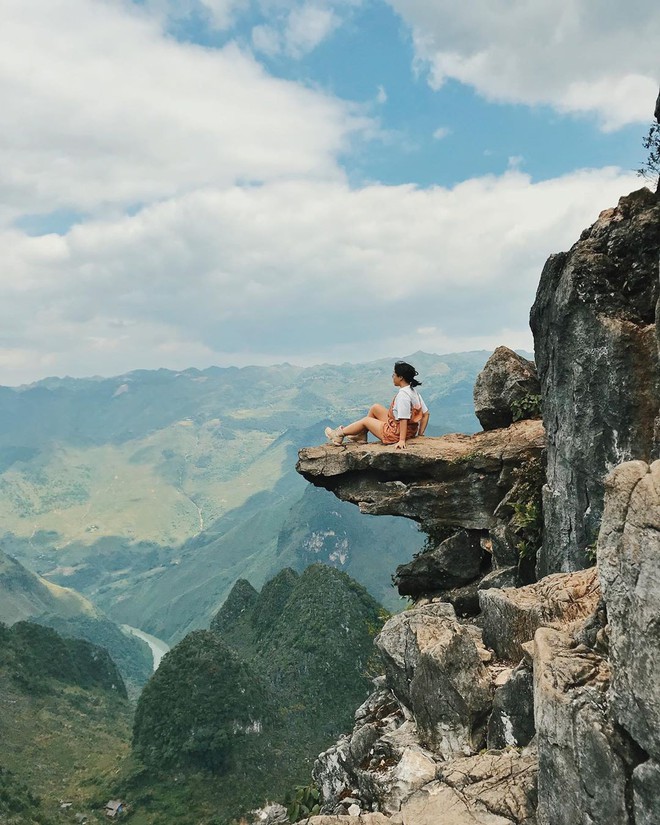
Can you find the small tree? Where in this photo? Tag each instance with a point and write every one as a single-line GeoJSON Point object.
{"type": "Point", "coordinates": [650, 169]}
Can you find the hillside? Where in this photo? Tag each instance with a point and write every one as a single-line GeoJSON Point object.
{"type": "Point", "coordinates": [152, 492]}
{"type": "Point", "coordinates": [254, 699]}
{"type": "Point", "coordinates": [24, 595]}
{"type": "Point", "coordinates": [64, 721]}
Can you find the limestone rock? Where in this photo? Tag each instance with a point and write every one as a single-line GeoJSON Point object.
{"type": "Point", "coordinates": [583, 761]}
{"type": "Point", "coordinates": [597, 357]}
{"type": "Point", "coordinates": [362, 819]}
{"type": "Point", "coordinates": [507, 381]}
{"type": "Point", "coordinates": [500, 578]}
{"type": "Point", "coordinates": [434, 668]}
{"type": "Point", "coordinates": [646, 790]}
{"type": "Point", "coordinates": [512, 616]}
{"type": "Point", "coordinates": [629, 564]}
{"type": "Point", "coordinates": [493, 788]}
{"type": "Point", "coordinates": [455, 480]}
{"type": "Point", "coordinates": [512, 721]}
{"type": "Point", "coordinates": [454, 562]}
{"type": "Point", "coordinates": [390, 787]}
{"type": "Point", "coordinates": [273, 814]}
{"type": "Point", "coordinates": [335, 770]}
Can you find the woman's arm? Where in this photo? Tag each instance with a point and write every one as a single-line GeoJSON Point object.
{"type": "Point", "coordinates": [403, 432]}
{"type": "Point", "coordinates": [423, 423]}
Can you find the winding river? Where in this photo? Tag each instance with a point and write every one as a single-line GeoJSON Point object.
{"type": "Point", "coordinates": [158, 647]}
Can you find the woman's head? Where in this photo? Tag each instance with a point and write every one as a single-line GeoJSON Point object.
{"type": "Point", "coordinates": [407, 372]}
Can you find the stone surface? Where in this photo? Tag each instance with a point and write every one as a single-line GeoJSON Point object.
{"type": "Point", "coordinates": [389, 788]}
{"type": "Point", "coordinates": [597, 357]}
{"type": "Point", "coordinates": [584, 762]}
{"type": "Point", "coordinates": [512, 616]}
{"type": "Point", "coordinates": [646, 793]}
{"type": "Point", "coordinates": [335, 770]}
{"type": "Point", "coordinates": [493, 788]}
{"type": "Point", "coordinates": [511, 724]}
{"type": "Point", "coordinates": [456, 480]}
{"type": "Point", "coordinates": [629, 564]}
{"type": "Point", "coordinates": [507, 379]}
{"type": "Point", "coordinates": [454, 562]}
{"type": "Point", "coordinates": [433, 666]}
{"type": "Point", "coordinates": [362, 819]}
{"type": "Point", "coordinates": [500, 578]}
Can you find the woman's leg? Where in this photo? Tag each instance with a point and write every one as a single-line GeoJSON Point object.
{"type": "Point", "coordinates": [378, 411]}
{"type": "Point", "coordinates": [369, 422]}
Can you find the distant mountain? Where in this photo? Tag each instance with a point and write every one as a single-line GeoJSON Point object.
{"type": "Point", "coordinates": [273, 682]}
{"type": "Point", "coordinates": [24, 595]}
{"type": "Point", "coordinates": [154, 491]}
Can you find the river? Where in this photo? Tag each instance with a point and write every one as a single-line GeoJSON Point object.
{"type": "Point", "coordinates": [158, 647]}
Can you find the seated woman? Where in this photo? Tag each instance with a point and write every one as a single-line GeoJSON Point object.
{"type": "Point", "coordinates": [406, 418]}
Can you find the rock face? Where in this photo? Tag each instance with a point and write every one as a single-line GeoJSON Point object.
{"type": "Point", "coordinates": [597, 357]}
{"type": "Point", "coordinates": [492, 788]}
{"type": "Point", "coordinates": [629, 564]}
{"type": "Point", "coordinates": [506, 390]}
{"type": "Point", "coordinates": [583, 762]}
{"type": "Point", "coordinates": [456, 480]}
{"type": "Point", "coordinates": [512, 616]}
{"type": "Point", "coordinates": [456, 561]}
{"type": "Point", "coordinates": [434, 668]}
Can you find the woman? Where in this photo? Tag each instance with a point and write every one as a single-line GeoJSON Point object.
{"type": "Point", "coordinates": [406, 418]}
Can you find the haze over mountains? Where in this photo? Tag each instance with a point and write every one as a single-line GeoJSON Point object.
{"type": "Point", "coordinates": [151, 493]}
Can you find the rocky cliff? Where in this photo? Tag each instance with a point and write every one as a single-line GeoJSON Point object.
{"type": "Point", "coordinates": [597, 355]}
{"type": "Point", "coordinates": [537, 703]}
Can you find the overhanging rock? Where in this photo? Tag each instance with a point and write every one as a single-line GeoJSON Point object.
{"type": "Point", "coordinates": [455, 480]}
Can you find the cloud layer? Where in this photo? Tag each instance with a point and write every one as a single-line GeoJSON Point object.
{"type": "Point", "coordinates": [299, 270]}
{"type": "Point", "coordinates": [208, 217]}
{"type": "Point", "coordinates": [581, 56]}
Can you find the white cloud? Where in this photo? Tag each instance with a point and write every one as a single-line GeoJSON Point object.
{"type": "Point", "coordinates": [441, 132]}
{"type": "Point", "coordinates": [100, 109]}
{"type": "Point", "coordinates": [381, 95]}
{"type": "Point", "coordinates": [288, 269]}
{"type": "Point", "coordinates": [581, 56]}
{"type": "Point", "coordinates": [296, 33]}
{"type": "Point", "coordinates": [307, 26]}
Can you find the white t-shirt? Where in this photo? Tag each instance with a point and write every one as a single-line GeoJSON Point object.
{"type": "Point", "coordinates": [405, 400]}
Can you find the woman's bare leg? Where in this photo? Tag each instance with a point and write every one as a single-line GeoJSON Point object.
{"type": "Point", "coordinates": [374, 425]}
{"type": "Point", "coordinates": [378, 411]}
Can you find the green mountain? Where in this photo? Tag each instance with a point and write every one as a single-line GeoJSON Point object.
{"type": "Point", "coordinates": [151, 493]}
{"type": "Point", "coordinates": [24, 595]}
{"type": "Point", "coordinates": [65, 722]}
{"type": "Point", "coordinates": [256, 698]}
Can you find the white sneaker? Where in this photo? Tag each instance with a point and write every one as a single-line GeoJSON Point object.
{"type": "Point", "coordinates": [360, 438]}
{"type": "Point", "coordinates": [335, 437]}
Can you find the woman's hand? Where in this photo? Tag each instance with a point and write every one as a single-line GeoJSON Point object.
{"type": "Point", "coordinates": [401, 445]}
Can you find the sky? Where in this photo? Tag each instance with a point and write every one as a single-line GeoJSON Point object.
{"type": "Point", "coordinates": [232, 182]}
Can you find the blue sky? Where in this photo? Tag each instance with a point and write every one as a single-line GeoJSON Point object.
{"type": "Point", "coordinates": [235, 181]}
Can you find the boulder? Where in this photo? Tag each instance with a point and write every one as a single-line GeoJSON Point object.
{"type": "Point", "coordinates": [455, 480]}
{"type": "Point", "coordinates": [511, 724]}
{"type": "Point", "coordinates": [597, 357]}
{"type": "Point", "coordinates": [454, 562]}
{"type": "Point", "coordinates": [493, 788]}
{"type": "Point", "coordinates": [335, 770]}
{"type": "Point", "coordinates": [433, 666]}
{"type": "Point", "coordinates": [646, 793]}
{"type": "Point", "coordinates": [361, 819]}
{"type": "Point", "coordinates": [584, 761]}
{"type": "Point", "coordinates": [500, 578]}
{"type": "Point", "coordinates": [506, 390]}
{"type": "Point", "coordinates": [629, 565]}
{"type": "Point", "coordinates": [512, 616]}
{"type": "Point", "coordinates": [389, 786]}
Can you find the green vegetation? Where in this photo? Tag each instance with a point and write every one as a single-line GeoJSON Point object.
{"type": "Point", "coordinates": [529, 406]}
{"type": "Point", "coordinates": [525, 499]}
{"type": "Point", "coordinates": [34, 656]}
{"type": "Point", "coordinates": [63, 723]}
{"type": "Point", "coordinates": [202, 706]}
{"type": "Point", "coordinates": [650, 169]}
{"type": "Point", "coordinates": [303, 803]}
{"type": "Point", "coordinates": [255, 699]}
